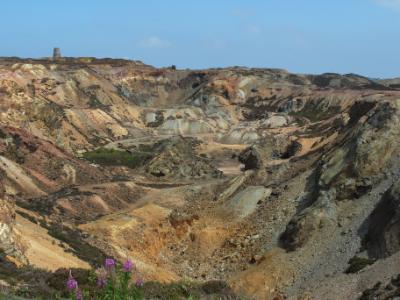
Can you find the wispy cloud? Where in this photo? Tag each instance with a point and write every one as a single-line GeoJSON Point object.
{"type": "Point", "coordinates": [394, 4]}
{"type": "Point", "coordinates": [154, 42]}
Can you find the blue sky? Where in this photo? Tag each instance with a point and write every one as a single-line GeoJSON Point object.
{"type": "Point", "coordinates": [304, 36]}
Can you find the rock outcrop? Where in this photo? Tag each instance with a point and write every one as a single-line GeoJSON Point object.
{"type": "Point", "coordinates": [350, 170]}
{"type": "Point", "coordinates": [175, 157]}
{"type": "Point", "coordinates": [267, 149]}
{"type": "Point", "coordinates": [383, 236]}
{"type": "Point", "coordinates": [10, 244]}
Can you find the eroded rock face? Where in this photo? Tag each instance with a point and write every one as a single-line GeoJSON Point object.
{"type": "Point", "coordinates": [9, 240]}
{"type": "Point", "coordinates": [349, 171]}
{"type": "Point", "coordinates": [303, 225]}
{"type": "Point", "coordinates": [383, 237]}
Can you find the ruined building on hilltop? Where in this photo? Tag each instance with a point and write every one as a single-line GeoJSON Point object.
{"type": "Point", "coordinates": [56, 53]}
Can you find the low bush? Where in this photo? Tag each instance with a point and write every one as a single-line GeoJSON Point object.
{"type": "Point", "coordinates": [358, 263]}
{"type": "Point", "coordinates": [112, 157]}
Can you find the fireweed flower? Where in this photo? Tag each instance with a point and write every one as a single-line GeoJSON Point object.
{"type": "Point", "coordinates": [79, 295]}
{"type": "Point", "coordinates": [109, 264]}
{"type": "Point", "coordinates": [72, 284]}
{"type": "Point", "coordinates": [128, 266]}
{"type": "Point", "coordinates": [139, 282]}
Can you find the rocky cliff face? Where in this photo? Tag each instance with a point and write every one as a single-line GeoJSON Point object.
{"type": "Point", "coordinates": [275, 183]}
{"type": "Point", "coordinates": [10, 244]}
{"type": "Point", "coordinates": [382, 239]}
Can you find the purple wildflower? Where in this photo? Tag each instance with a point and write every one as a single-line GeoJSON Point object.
{"type": "Point", "coordinates": [128, 266]}
{"type": "Point", "coordinates": [72, 284]}
{"type": "Point", "coordinates": [139, 282]}
{"type": "Point", "coordinates": [79, 294]}
{"type": "Point", "coordinates": [109, 263]}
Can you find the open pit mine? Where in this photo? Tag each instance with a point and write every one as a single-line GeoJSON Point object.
{"type": "Point", "coordinates": [230, 183]}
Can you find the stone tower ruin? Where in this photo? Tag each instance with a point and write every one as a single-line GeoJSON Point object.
{"type": "Point", "coordinates": [56, 53]}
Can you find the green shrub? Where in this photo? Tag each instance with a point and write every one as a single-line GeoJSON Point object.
{"type": "Point", "coordinates": [358, 263]}
{"type": "Point", "coordinates": [112, 157]}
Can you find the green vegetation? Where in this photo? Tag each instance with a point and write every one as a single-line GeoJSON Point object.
{"type": "Point", "coordinates": [3, 135]}
{"type": "Point", "coordinates": [112, 280]}
{"type": "Point", "coordinates": [95, 103]}
{"type": "Point", "coordinates": [358, 263]}
{"type": "Point", "coordinates": [173, 291]}
{"type": "Point", "coordinates": [112, 157]}
{"type": "Point", "coordinates": [316, 113]}
{"type": "Point", "coordinates": [79, 247]}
